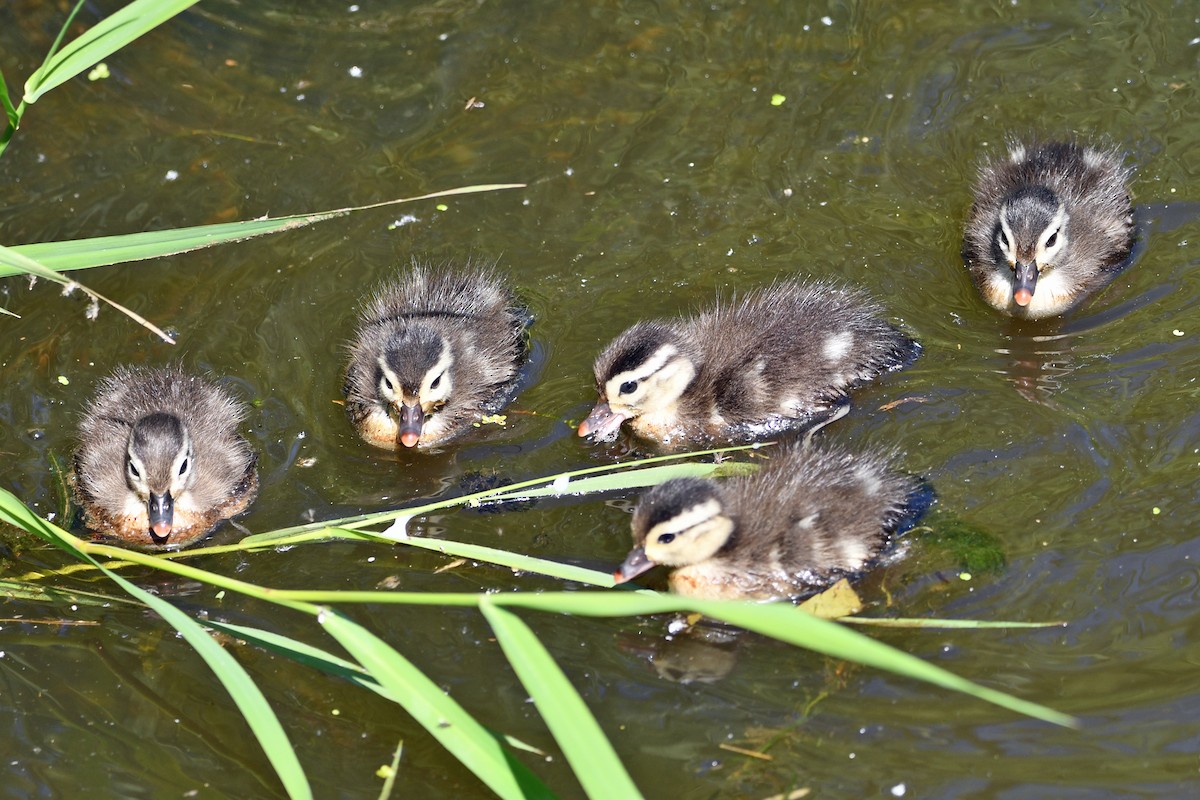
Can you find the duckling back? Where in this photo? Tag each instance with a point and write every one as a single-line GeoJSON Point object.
{"type": "Point", "coordinates": [1050, 224]}
{"type": "Point", "coordinates": [160, 461]}
{"type": "Point", "coordinates": [434, 351]}
{"type": "Point", "coordinates": [747, 368]}
{"type": "Point", "coordinates": [806, 518]}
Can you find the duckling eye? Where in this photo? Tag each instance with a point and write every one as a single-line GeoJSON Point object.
{"type": "Point", "coordinates": [1002, 239]}
{"type": "Point", "coordinates": [666, 538]}
{"type": "Point", "coordinates": [628, 387]}
{"type": "Point", "coordinates": [1053, 238]}
{"type": "Point", "coordinates": [436, 381]}
{"type": "Point", "coordinates": [387, 384]}
{"type": "Point", "coordinates": [133, 471]}
{"type": "Point", "coordinates": [183, 467]}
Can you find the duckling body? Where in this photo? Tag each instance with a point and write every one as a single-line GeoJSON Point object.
{"type": "Point", "coordinates": [1050, 224]}
{"type": "Point", "coordinates": [747, 368]}
{"type": "Point", "coordinates": [160, 461]}
{"type": "Point", "coordinates": [807, 518]}
{"type": "Point", "coordinates": [434, 352]}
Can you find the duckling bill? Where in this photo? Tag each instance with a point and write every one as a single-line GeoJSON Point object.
{"type": "Point", "coordinates": [435, 351]}
{"type": "Point", "coordinates": [1051, 224]}
{"type": "Point", "coordinates": [808, 517]}
{"type": "Point", "coordinates": [160, 461]}
{"type": "Point", "coordinates": [781, 356]}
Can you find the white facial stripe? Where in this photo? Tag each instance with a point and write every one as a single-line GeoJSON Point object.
{"type": "Point", "coordinates": [389, 387]}
{"type": "Point", "coordinates": [690, 518]}
{"type": "Point", "coordinates": [1008, 241]}
{"type": "Point", "coordinates": [441, 369]}
{"type": "Point", "coordinates": [656, 362]}
{"type": "Point", "coordinates": [1056, 226]}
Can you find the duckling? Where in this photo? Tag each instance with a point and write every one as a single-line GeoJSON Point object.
{"type": "Point", "coordinates": [807, 518]}
{"type": "Point", "coordinates": [779, 357]}
{"type": "Point", "coordinates": [1050, 224]}
{"type": "Point", "coordinates": [160, 461]}
{"type": "Point", "coordinates": [435, 351]}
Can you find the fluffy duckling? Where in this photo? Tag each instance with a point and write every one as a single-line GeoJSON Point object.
{"type": "Point", "coordinates": [808, 517]}
{"type": "Point", "coordinates": [1051, 224]}
{"type": "Point", "coordinates": [435, 351]}
{"type": "Point", "coordinates": [745, 369]}
{"type": "Point", "coordinates": [160, 461]}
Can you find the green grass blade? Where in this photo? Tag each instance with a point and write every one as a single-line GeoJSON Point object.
{"type": "Point", "coordinates": [104, 251]}
{"type": "Point", "coordinates": [246, 695]}
{"type": "Point", "coordinates": [444, 718]}
{"type": "Point", "coordinates": [945, 624]}
{"type": "Point", "coordinates": [617, 481]}
{"type": "Point", "coordinates": [505, 558]}
{"type": "Point", "coordinates": [12, 116]}
{"type": "Point", "coordinates": [100, 41]}
{"type": "Point", "coordinates": [13, 259]}
{"type": "Point", "coordinates": [588, 751]}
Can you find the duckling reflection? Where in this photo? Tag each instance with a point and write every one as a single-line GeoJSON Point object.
{"type": "Point", "coordinates": [160, 461]}
{"type": "Point", "coordinates": [435, 352]}
{"type": "Point", "coordinates": [808, 517]}
{"type": "Point", "coordinates": [1051, 224]}
{"type": "Point", "coordinates": [697, 654]}
{"type": "Point", "coordinates": [782, 356]}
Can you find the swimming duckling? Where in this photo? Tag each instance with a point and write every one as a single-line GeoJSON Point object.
{"type": "Point", "coordinates": [435, 351]}
{"type": "Point", "coordinates": [1050, 224]}
{"type": "Point", "coordinates": [160, 461]}
{"type": "Point", "coordinates": [807, 518]}
{"type": "Point", "coordinates": [745, 369]}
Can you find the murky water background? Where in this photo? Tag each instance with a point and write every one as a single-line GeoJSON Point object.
{"type": "Point", "coordinates": [659, 173]}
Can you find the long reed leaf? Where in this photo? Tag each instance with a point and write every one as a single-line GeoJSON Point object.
{"type": "Point", "coordinates": [246, 695]}
{"type": "Point", "coordinates": [107, 250]}
{"type": "Point", "coordinates": [442, 716]}
{"type": "Point", "coordinates": [100, 41]}
{"type": "Point", "coordinates": [587, 749]}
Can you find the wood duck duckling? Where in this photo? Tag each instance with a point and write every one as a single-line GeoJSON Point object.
{"type": "Point", "coordinates": [807, 518]}
{"type": "Point", "coordinates": [435, 351]}
{"type": "Point", "coordinates": [1050, 224]}
{"type": "Point", "coordinates": [745, 369]}
{"type": "Point", "coordinates": [160, 461]}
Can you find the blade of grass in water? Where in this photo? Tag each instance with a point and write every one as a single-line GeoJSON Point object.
{"type": "Point", "coordinates": [100, 41]}
{"type": "Point", "coordinates": [584, 744]}
{"type": "Point", "coordinates": [108, 250]}
{"type": "Point", "coordinates": [443, 717]}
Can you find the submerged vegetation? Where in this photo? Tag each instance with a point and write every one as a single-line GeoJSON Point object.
{"type": "Point", "coordinates": [374, 664]}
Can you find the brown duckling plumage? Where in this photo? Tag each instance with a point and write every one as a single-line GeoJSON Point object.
{"type": "Point", "coordinates": [435, 351]}
{"type": "Point", "coordinates": [808, 517]}
{"type": "Point", "coordinates": [748, 368]}
{"type": "Point", "coordinates": [1051, 223]}
{"type": "Point", "coordinates": [160, 461]}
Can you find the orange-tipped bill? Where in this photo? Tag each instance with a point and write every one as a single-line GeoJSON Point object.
{"type": "Point", "coordinates": [160, 511]}
{"type": "Point", "coordinates": [602, 424]}
{"type": "Point", "coordinates": [411, 419]}
{"type": "Point", "coordinates": [634, 564]}
{"type": "Point", "coordinates": [1024, 282]}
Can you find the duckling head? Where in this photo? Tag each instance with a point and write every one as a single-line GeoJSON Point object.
{"type": "Point", "coordinates": [643, 372]}
{"type": "Point", "coordinates": [414, 378]}
{"type": "Point", "coordinates": [677, 523]}
{"type": "Point", "coordinates": [159, 465]}
{"type": "Point", "coordinates": [1031, 237]}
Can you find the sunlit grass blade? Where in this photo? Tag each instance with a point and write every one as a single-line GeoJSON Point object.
{"type": "Point", "coordinates": [624, 480]}
{"type": "Point", "coordinates": [443, 717]}
{"type": "Point", "coordinates": [21, 590]}
{"type": "Point", "coordinates": [100, 41]}
{"type": "Point", "coordinates": [11, 118]}
{"type": "Point", "coordinates": [948, 624]}
{"type": "Point", "coordinates": [12, 259]}
{"type": "Point", "coordinates": [246, 695]}
{"type": "Point", "coordinates": [587, 749]}
{"type": "Point", "coordinates": [107, 250]}
{"type": "Point", "coordinates": [506, 558]}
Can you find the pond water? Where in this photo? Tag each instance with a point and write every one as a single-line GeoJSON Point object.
{"type": "Point", "coordinates": [659, 173]}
